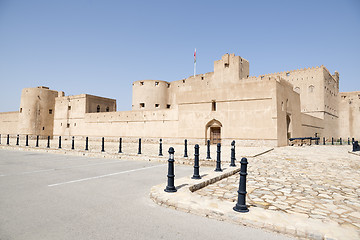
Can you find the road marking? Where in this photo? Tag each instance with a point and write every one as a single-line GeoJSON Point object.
{"type": "Point", "coordinates": [102, 176]}
{"type": "Point", "coordinates": [55, 169]}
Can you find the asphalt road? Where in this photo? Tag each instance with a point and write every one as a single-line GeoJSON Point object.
{"type": "Point", "coordinates": [50, 196]}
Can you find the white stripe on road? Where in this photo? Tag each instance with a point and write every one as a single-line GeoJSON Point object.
{"type": "Point", "coordinates": [102, 176]}
{"type": "Point", "coordinates": [54, 169]}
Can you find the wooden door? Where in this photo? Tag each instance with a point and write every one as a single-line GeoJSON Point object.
{"type": "Point", "coordinates": [215, 135]}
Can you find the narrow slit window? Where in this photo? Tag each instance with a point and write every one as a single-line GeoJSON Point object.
{"type": "Point", "coordinates": [157, 105]}
{"type": "Point", "coordinates": [156, 83]}
{"type": "Point", "coordinates": [213, 106]}
{"type": "Point", "coordinates": [50, 111]}
{"type": "Point", "coordinates": [142, 105]}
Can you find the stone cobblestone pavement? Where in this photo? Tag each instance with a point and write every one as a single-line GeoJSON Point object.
{"type": "Point", "coordinates": [317, 182]}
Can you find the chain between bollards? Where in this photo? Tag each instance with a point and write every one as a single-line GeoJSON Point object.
{"type": "Point", "coordinates": [185, 149]}
{"type": "Point", "coordinates": [218, 158]}
{"type": "Point", "coordinates": [208, 150]}
{"type": "Point", "coordinates": [86, 143]}
{"type": "Point", "coordinates": [120, 145]}
{"type": "Point", "coordinates": [160, 147]}
{"type": "Point", "coordinates": [48, 142]}
{"type": "Point", "coordinates": [233, 159]}
{"type": "Point", "coordinates": [196, 163]}
{"type": "Point", "coordinates": [37, 141]}
{"type": "Point", "coordinates": [241, 202]}
{"type": "Point", "coordinates": [139, 148]}
{"type": "Point", "coordinates": [17, 140]}
{"type": "Point", "coordinates": [59, 142]}
{"type": "Point", "coordinates": [102, 144]}
{"type": "Point", "coordinates": [171, 176]}
{"type": "Point", "coordinates": [73, 143]}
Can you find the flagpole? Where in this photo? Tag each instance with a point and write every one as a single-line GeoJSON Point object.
{"type": "Point", "coordinates": [195, 62]}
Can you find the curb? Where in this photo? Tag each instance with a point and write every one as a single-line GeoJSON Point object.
{"type": "Point", "coordinates": [289, 224]}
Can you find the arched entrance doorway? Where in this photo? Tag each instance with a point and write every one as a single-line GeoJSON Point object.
{"type": "Point", "coordinates": [213, 131]}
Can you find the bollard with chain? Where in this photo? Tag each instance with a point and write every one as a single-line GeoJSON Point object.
{"type": "Point", "coordinates": [324, 140]}
{"type": "Point", "coordinates": [59, 142]}
{"type": "Point", "coordinates": [102, 144]}
{"type": "Point", "coordinates": [48, 142]}
{"type": "Point", "coordinates": [340, 141]}
{"type": "Point", "coordinates": [348, 141]}
{"type": "Point", "coordinates": [160, 147]}
{"type": "Point", "coordinates": [233, 159]}
{"type": "Point", "coordinates": [208, 150]}
{"type": "Point", "coordinates": [241, 202]}
{"type": "Point", "coordinates": [139, 148]}
{"type": "Point", "coordinates": [27, 141]}
{"type": "Point", "coordinates": [332, 141]}
{"type": "Point", "coordinates": [73, 143]}
{"type": "Point", "coordinates": [37, 141]}
{"type": "Point", "coordinates": [196, 163]}
{"type": "Point", "coordinates": [185, 149]}
{"type": "Point", "coordinates": [218, 159]}
{"type": "Point", "coordinates": [170, 185]}
{"type": "Point", "coordinates": [86, 143]}
{"type": "Point", "coordinates": [8, 140]}
{"type": "Point", "coordinates": [120, 145]}
{"type": "Point", "coordinates": [17, 140]}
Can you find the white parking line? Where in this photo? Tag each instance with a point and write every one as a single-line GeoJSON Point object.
{"type": "Point", "coordinates": [55, 169]}
{"type": "Point", "coordinates": [102, 176]}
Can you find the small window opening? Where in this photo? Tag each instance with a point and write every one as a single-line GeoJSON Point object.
{"type": "Point", "coordinates": [157, 105]}
{"type": "Point", "coordinates": [60, 124]}
{"type": "Point", "coordinates": [50, 111]}
{"type": "Point", "coordinates": [287, 74]}
{"type": "Point", "coordinates": [20, 110]}
{"type": "Point", "coordinates": [141, 83]}
{"type": "Point", "coordinates": [183, 81]}
{"type": "Point", "coordinates": [226, 65]}
{"type": "Point", "coordinates": [142, 105]}
{"type": "Point", "coordinates": [69, 107]}
{"type": "Point", "coordinates": [202, 78]}
{"type": "Point", "coordinates": [68, 125]}
{"type": "Point", "coordinates": [262, 77]}
{"type": "Point", "coordinates": [156, 83]}
{"type": "Point", "coordinates": [74, 124]}
{"type": "Point", "coordinates": [43, 128]}
{"type": "Point", "coordinates": [98, 108]}
{"type": "Point", "coordinates": [168, 85]}
{"type": "Point", "coordinates": [168, 106]}
{"type": "Point", "coordinates": [107, 109]}
{"type": "Point", "coordinates": [213, 106]}
{"type": "Point", "coordinates": [311, 88]}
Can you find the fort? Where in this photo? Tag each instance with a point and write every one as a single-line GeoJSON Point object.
{"type": "Point", "coordinates": [222, 106]}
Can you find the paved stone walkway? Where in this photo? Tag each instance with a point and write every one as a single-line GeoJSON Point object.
{"type": "Point", "coordinates": [318, 182]}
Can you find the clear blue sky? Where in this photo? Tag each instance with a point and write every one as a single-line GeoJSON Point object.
{"type": "Point", "coordinates": [101, 46]}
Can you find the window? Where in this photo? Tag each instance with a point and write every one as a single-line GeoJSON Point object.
{"type": "Point", "coordinates": [156, 83]}
{"type": "Point", "coordinates": [69, 107]}
{"type": "Point", "coordinates": [282, 106]}
{"type": "Point", "coordinates": [157, 105]}
{"type": "Point", "coordinates": [74, 124]}
{"type": "Point", "coordinates": [168, 85]}
{"type": "Point", "coordinates": [141, 83]}
{"type": "Point", "coordinates": [98, 108]}
{"type": "Point", "coordinates": [50, 111]}
{"type": "Point", "coordinates": [43, 128]}
{"type": "Point", "coordinates": [20, 110]}
{"type": "Point", "coordinates": [107, 109]}
{"type": "Point", "coordinates": [168, 106]}
{"type": "Point", "coordinates": [68, 125]}
{"type": "Point", "coordinates": [60, 124]}
{"type": "Point", "coordinates": [213, 106]}
{"type": "Point", "coordinates": [311, 88]}
{"type": "Point", "coordinates": [226, 65]}
{"type": "Point", "coordinates": [287, 74]}
{"type": "Point", "coordinates": [183, 81]}
{"type": "Point", "coordinates": [142, 105]}
{"type": "Point", "coordinates": [202, 78]}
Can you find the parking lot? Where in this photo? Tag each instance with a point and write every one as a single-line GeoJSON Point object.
{"type": "Point", "coordinates": [51, 196]}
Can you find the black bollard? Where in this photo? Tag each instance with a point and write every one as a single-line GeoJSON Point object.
{"type": "Point", "coordinates": [241, 203]}
{"type": "Point", "coordinates": [120, 145]}
{"type": "Point", "coordinates": [340, 141]}
{"type": "Point", "coordinates": [332, 141]}
{"type": "Point", "coordinates": [0, 138]}
{"type": "Point", "coordinates": [48, 142]}
{"type": "Point", "coordinates": [218, 160]}
{"type": "Point", "coordinates": [139, 149]}
{"type": "Point", "coordinates": [17, 139]}
{"type": "Point", "coordinates": [59, 142]}
{"type": "Point", "coordinates": [170, 185]}
{"type": "Point", "coordinates": [37, 141]}
{"type": "Point", "coordinates": [196, 163]}
{"type": "Point", "coordinates": [352, 140]}
{"type": "Point", "coordinates": [348, 141]}
{"type": "Point", "coordinates": [73, 143]}
{"type": "Point", "coordinates": [102, 144]}
{"type": "Point", "coordinates": [8, 140]}
{"type": "Point", "coordinates": [160, 147]}
{"type": "Point", "coordinates": [208, 150]}
{"type": "Point", "coordinates": [233, 159]}
{"type": "Point", "coordinates": [324, 140]}
{"type": "Point", "coordinates": [86, 143]}
{"type": "Point", "coordinates": [27, 141]}
{"type": "Point", "coordinates": [185, 149]}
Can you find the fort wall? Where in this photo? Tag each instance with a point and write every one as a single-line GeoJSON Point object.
{"type": "Point", "coordinates": [349, 119]}
{"type": "Point", "coordinates": [9, 122]}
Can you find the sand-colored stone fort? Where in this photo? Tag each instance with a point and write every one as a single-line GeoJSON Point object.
{"type": "Point", "coordinates": [222, 106]}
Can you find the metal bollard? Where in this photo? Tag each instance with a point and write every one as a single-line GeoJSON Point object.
{"type": "Point", "coordinates": [120, 145]}
{"type": "Point", "coordinates": [86, 143]}
{"type": "Point", "coordinates": [233, 159]}
{"type": "Point", "coordinates": [8, 140]}
{"type": "Point", "coordinates": [241, 203]}
{"type": "Point", "coordinates": [37, 141]}
{"type": "Point", "coordinates": [348, 141]}
{"type": "Point", "coordinates": [352, 140]}
{"type": "Point", "coordinates": [170, 185]}
{"type": "Point", "coordinates": [185, 149]}
{"type": "Point", "coordinates": [103, 144]}
{"type": "Point", "coordinates": [208, 150]}
{"type": "Point", "coordinates": [160, 147]}
{"type": "Point", "coordinates": [48, 142]}
{"type": "Point", "coordinates": [340, 141]}
{"type": "Point", "coordinates": [324, 140]}
{"type": "Point", "coordinates": [0, 138]}
{"type": "Point", "coordinates": [196, 163]}
{"type": "Point", "coordinates": [17, 139]}
{"type": "Point", "coordinates": [139, 149]}
{"type": "Point", "coordinates": [27, 141]}
{"type": "Point", "coordinates": [332, 141]}
{"type": "Point", "coordinates": [73, 143]}
{"type": "Point", "coordinates": [218, 160]}
{"type": "Point", "coordinates": [59, 142]}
